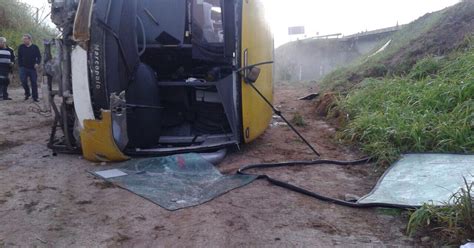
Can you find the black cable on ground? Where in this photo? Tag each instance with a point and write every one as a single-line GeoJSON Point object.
{"type": "Point", "coordinates": [313, 162]}
{"type": "Point", "coordinates": [300, 190]}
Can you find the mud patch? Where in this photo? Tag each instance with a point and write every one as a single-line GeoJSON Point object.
{"type": "Point", "coordinates": [16, 112]}
{"type": "Point", "coordinates": [8, 144]}
{"type": "Point", "coordinates": [8, 194]}
{"type": "Point", "coordinates": [326, 228]}
{"type": "Point", "coordinates": [327, 107]}
{"type": "Point", "coordinates": [103, 185]}
{"type": "Point", "coordinates": [55, 229]}
{"type": "Point", "coordinates": [325, 104]}
{"type": "Point", "coordinates": [38, 189]}
{"type": "Point", "coordinates": [47, 207]}
{"type": "Point", "coordinates": [159, 228]}
{"type": "Point", "coordinates": [30, 207]}
{"type": "Point", "coordinates": [119, 238]}
{"type": "Point", "coordinates": [83, 202]}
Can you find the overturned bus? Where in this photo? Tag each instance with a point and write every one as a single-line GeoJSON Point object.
{"type": "Point", "coordinates": [158, 77]}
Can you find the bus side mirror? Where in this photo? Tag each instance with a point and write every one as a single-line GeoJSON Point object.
{"type": "Point", "coordinates": [252, 74]}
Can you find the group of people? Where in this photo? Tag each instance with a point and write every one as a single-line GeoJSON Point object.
{"type": "Point", "coordinates": [29, 59]}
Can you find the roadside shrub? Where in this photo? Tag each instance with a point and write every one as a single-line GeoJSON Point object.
{"type": "Point", "coordinates": [425, 67]}
{"type": "Point", "coordinates": [298, 120]}
{"type": "Point", "coordinates": [397, 115]}
{"type": "Point", "coordinates": [452, 223]}
{"type": "Point", "coordinates": [378, 70]}
{"type": "Point", "coordinates": [16, 19]}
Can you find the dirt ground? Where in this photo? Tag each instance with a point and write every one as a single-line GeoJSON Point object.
{"type": "Point", "coordinates": [52, 201]}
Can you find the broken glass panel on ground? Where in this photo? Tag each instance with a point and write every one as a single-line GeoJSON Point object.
{"type": "Point", "coordinates": [174, 182]}
{"type": "Point", "coordinates": [423, 178]}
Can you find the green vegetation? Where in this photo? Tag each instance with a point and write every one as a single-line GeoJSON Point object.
{"type": "Point", "coordinates": [452, 223]}
{"type": "Point", "coordinates": [374, 66]}
{"type": "Point", "coordinates": [298, 120]}
{"type": "Point", "coordinates": [424, 68]}
{"type": "Point", "coordinates": [416, 96]}
{"type": "Point", "coordinates": [431, 109]}
{"type": "Point", "coordinates": [436, 34]}
{"type": "Point", "coordinates": [16, 19]}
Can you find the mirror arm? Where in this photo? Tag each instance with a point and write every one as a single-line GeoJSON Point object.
{"type": "Point", "coordinates": [254, 65]}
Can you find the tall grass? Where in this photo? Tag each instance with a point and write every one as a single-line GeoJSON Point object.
{"type": "Point", "coordinates": [452, 223]}
{"type": "Point", "coordinates": [16, 19]}
{"type": "Point", "coordinates": [298, 120]}
{"type": "Point", "coordinates": [429, 110]}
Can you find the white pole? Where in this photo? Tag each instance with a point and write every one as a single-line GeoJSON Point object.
{"type": "Point", "coordinates": [301, 72]}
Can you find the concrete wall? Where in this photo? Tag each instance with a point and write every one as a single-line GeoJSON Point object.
{"type": "Point", "coordinates": [312, 59]}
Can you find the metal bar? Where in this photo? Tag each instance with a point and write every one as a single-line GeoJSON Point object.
{"type": "Point", "coordinates": [277, 112]}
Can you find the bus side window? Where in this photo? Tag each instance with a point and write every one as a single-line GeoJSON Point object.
{"type": "Point", "coordinates": [207, 17]}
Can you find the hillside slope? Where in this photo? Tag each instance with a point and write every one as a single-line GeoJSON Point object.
{"type": "Point", "coordinates": [312, 59]}
{"type": "Point", "coordinates": [416, 96]}
{"type": "Point", "coordinates": [434, 34]}
{"type": "Point", "coordinates": [431, 109]}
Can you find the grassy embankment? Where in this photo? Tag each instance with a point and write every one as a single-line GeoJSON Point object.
{"type": "Point", "coordinates": [429, 110]}
{"type": "Point", "coordinates": [418, 94]}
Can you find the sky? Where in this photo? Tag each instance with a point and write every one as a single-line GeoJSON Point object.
{"type": "Point", "coordinates": [337, 16]}
{"type": "Point", "coordinates": [345, 16]}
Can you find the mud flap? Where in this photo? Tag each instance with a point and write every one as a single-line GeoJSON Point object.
{"type": "Point", "coordinates": [98, 144]}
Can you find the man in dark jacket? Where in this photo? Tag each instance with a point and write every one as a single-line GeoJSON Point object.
{"type": "Point", "coordinates": [29, 59]}
{"type": "Point", "coordinates": [7, 58]}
